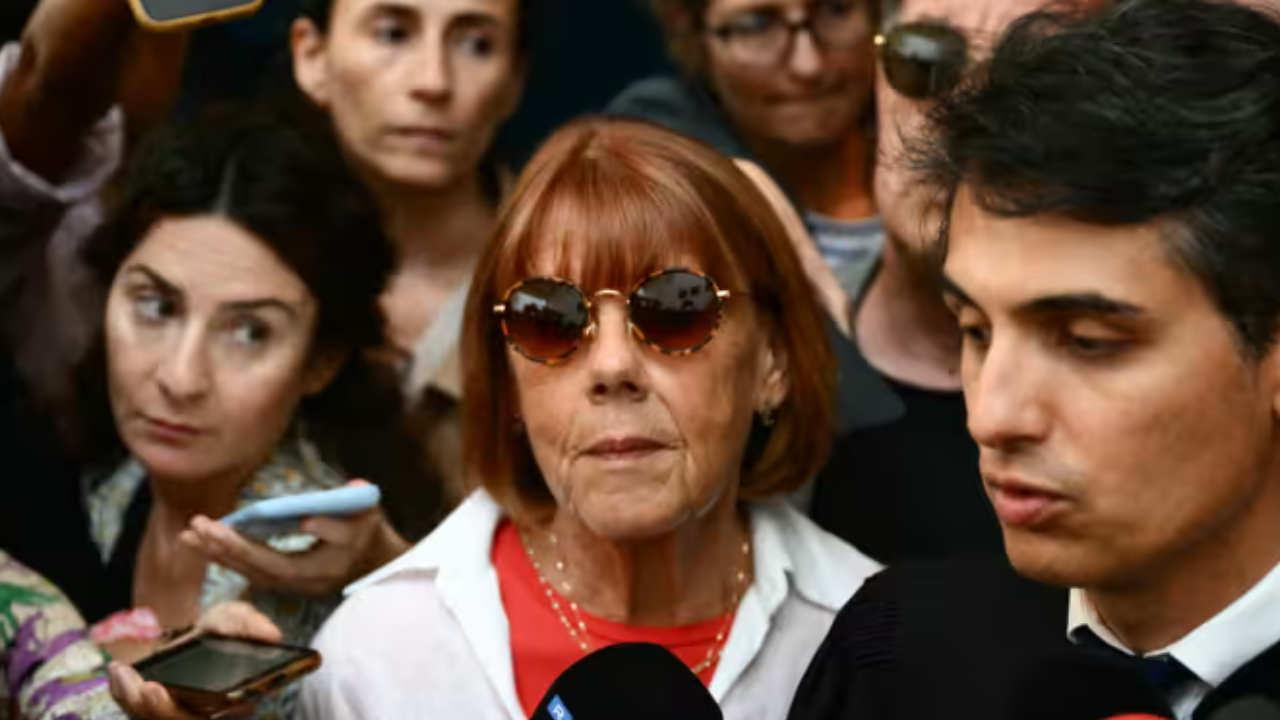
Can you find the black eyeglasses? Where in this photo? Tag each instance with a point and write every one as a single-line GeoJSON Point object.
{"type": "Point", "coordinates": [923, 60]}
{"type": "Point", "coordinates": [764, 36]}
{"type": "Point", "coordinates": [674, 311]}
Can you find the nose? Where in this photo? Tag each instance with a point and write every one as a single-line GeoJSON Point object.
{"type": "Point", "coordinates": [806, 60]}
{"type": "Point", "coordinates": [1006, 391]}
{"type": "Point", "coordinates": [614, 356]}
{"type": "Point", "coordinates": [183, 374]}
{"type": "Point", "coordinates": [432, 74]}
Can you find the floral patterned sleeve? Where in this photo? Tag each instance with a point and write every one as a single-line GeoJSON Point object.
{"type": "Point", "coordinates": [52, 671]}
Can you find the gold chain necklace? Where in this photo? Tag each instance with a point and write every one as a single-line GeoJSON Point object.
{"type": "Point", "coordinates": [578, 628]}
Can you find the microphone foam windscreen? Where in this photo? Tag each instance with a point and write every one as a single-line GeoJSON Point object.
{"type": "Point", "coordinates": [629, 681]}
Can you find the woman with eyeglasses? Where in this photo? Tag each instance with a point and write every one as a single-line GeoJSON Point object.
{"type": "Point", "coordinates": [646, 375]}
{"type": "Point", "coordinates": [788, 85]}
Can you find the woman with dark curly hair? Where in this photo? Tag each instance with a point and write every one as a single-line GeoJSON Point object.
{"type": "Point", "coordinates": [241, 271]}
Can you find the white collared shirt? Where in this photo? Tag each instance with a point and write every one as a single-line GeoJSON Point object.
{"type": "Point", "coordinates": [427, 635]}
{"type": "Point", "coordinates": [1215, 650]}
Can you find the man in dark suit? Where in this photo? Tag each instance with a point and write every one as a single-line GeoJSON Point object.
{"type": "Point", "coordinates": [1113, 259]}
{"type": "Point", "coordinates": [1110, 185]}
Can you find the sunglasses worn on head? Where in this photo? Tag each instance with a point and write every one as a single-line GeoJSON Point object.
{"type": "Point", "coordinates": [674, 311]}
{"type": "Point", "coordinates": [923, 60]}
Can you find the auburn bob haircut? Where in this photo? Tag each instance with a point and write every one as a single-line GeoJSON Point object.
{"type": "Point", "coordinates": [612, 200]}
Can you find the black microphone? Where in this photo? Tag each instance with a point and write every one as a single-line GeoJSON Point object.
{"type": "Point", "coordinates": [1081, 684]}
{"type": "Point", "coordinates": [629, 681]}
{"type": "Point", "coordinates": [1247, 708]}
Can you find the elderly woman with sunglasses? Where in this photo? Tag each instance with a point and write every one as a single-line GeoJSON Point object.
{"type": "Point", "coordinates": [646, 375]}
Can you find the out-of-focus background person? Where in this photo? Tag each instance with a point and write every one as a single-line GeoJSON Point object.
{"type": "Point", "coordinates": [787, 84]}
{"type": "Point", "coordinates": [910, 488]}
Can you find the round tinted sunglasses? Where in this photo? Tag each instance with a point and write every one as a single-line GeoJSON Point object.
{"type": "Point", "coordinates": [923, 60]}
{"type": "Point", "coordinates": [674, 311]}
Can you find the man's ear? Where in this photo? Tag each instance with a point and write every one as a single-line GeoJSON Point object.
{"type": "Point", "coordinates": [310, 52]}
{"type": "Point", "coordinates": [321, 371]}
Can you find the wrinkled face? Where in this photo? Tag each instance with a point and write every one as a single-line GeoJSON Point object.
{"type": "Point", "coordinates": [784, 88]}
{"type": "Point", "coordinates": [633, 442]}
{"type": "Point", "coordinates": [1121, 428]}
{"type": "Point", "coordinates": [208, 340]}
{"type": "Point", "coordinates": [416, 88]}
{"type": "Point", "coordinates": [907, 210]}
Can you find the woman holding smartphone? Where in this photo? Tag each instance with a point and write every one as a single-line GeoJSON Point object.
{"type": "Point", "coordinates": [241, 269]}
{"type": "Point", "coordinates": [416, 93]}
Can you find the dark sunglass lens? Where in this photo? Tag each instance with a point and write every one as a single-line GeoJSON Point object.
{"type": "Point", "coordinates": [676, 311]}
{"type": "Point", "coordinates": [545, 318]}
{"type": "Point", "coordinates": [923, 60]}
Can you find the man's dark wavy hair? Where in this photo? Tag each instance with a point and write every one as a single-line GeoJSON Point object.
{"type": "Point", "coordinates": [1147, 112]}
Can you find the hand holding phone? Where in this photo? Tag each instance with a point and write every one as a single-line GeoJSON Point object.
{"type": "Point", "coordinates": [166, 15]}
{"type": "Point", "coordinates": [347, 549]}
{"type": "Point", "coordinates": [281, 516]}
{"type": "Point", "coordinates": [211, 675]}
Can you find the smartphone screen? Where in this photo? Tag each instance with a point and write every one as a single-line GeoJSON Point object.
{"type": "Point", "coordinates": [217, 665]}
{"type": "Point", "coordinates": [170, 10]}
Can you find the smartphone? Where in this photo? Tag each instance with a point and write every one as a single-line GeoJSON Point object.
{"type": "Point", "coordinates": [210, 673]}
{"type": "Point", "coordinates": [163, 15]}
{"type": "Point", "coordinates": [283, 516]}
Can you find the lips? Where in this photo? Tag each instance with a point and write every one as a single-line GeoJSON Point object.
{"type": "Point", "coordinates": [169, 430]}
{"type": "Point", "coordinates": [1021, 504]}
{"type": "Point", "coordinates": [425, 136]}
{"type": "Point", "coordinates": [621, 448]}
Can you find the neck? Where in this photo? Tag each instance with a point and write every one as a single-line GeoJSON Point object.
{"type": "Point", "coordinates": [177, 501]}
{"type": "Point", "coordinates": [687, 576]}
{"type": "Point", "coordinates": [441, 231]}
{"type": "Point", "coordinates": [834, 180]}
{"type": "Point", "coordinates": [1155, 610]}
{"type": "Point", "coordinates": [904, 328]}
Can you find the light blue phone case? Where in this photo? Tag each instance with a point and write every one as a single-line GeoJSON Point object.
{"type": "Point", "coordinates": [282, 516]}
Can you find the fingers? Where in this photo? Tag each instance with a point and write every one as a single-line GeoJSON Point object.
{"type": "Point", "coordinates": [261, 565]}
{"type": "Point", "coordinates": [347, 532]}
{"type": "Point", "coordinates": [141, 699]}
{"type": "Point", "coordinates": [239, 619]}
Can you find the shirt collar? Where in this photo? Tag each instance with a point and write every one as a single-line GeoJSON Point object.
{"type": "Point", "coordinates": [1219, 647]}
{"type": "Point", "coordinates": [789, 552]}
{"type": "Point", "coordinates": [460, 545]}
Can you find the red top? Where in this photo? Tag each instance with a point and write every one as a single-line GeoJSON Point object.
{"type": "Point", "coordinates": [541, 647]}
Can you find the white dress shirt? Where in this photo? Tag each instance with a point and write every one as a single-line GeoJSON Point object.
{"type": "Point", "coordinates": [427, 636]}
{"type": "Point", "coordinates": [1213, 651]}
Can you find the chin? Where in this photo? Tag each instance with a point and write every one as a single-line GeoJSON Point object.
{"type": "Point", "coordinates": [175, 467]}
{"type": "Point", "coordinates": [633, 522]}
{"type": "Point", "coordinates": [1053, 561]}
{"type": "Point", "coordinates": [423, 173]}
{"type": "Point", "coordinates": [813, 132]}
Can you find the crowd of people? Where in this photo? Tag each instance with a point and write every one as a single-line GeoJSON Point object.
{"type": "Point", "coordinates": [931, 299]}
